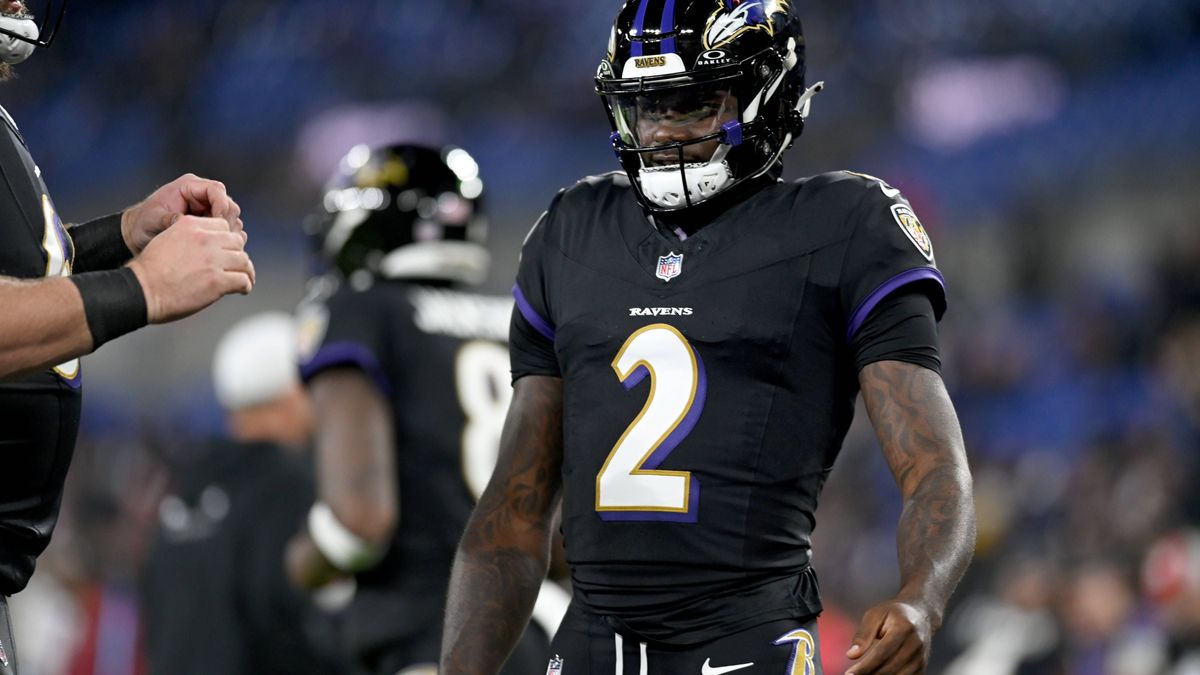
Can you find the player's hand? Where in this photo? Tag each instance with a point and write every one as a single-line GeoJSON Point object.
{"type": "Point", "coordinates": [191, 265]}
{"type": "Point", "coordinates": [188, 195]}
{"type": "Point", "coordinates": [893, 639]}
{"type": "Point", "coordinates": [306, 567]}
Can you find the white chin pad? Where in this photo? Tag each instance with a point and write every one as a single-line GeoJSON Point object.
{"type": "Point", "coordinates": [666, 185]}
{"type": "Point", "coordinates": [12, 50]}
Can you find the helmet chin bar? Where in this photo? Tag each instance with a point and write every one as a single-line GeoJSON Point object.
{"type": "Point", "coordinates": [684, 184]}
{"type": "Point", "coordinates": [17, 39]}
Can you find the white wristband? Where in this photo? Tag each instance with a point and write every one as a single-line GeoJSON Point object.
{"type": "Point", "coordinates": [342, 548]}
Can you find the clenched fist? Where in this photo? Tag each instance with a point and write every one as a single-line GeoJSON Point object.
{"type": "Point", "coordinates": [893, 639]}
{"type": "Point", "coordinates": [190, 265]}
{"type": "Point", "coordinates": [188, 195]}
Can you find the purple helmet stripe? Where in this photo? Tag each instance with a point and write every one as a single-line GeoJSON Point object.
{"type": "Point", "coordinates": [887, 288]}
{"type": "Point", "coordinates": [639, 25]}
{"type": "Point", "coordinates": [667, 25]}
{"type": "Point", "coordinates": [539, 324]}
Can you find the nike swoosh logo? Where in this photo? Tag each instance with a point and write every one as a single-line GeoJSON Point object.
{"type": "Point", "coordinates": [709, 669]}
{"type": "Point", "coordinates": [890, 192]}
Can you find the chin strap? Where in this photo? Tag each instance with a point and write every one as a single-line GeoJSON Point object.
{"type": "Point", "coordinates": [14, 50]}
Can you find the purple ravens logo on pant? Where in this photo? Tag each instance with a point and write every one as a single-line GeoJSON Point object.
{"type": "Point", "coordinates": [735, 17]}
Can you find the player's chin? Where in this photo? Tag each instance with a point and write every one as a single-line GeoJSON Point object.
{"type": "Point", "coordinates": [7, 72]}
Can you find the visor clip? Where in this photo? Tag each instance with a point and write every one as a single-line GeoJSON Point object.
{"type": "Point", "coordinates": [731, 133]}
{"type": "Point", "coordinates": [617, 145]}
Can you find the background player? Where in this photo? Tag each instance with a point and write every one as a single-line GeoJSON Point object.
{"type": "Point", "coordinates": [66, 291]}
{"type": "Point", "coordinates": [213, 597]}
{"type": "Point", "coordinates": [409, 378]}
{"type": "Point", "coordinates": [757, 310]}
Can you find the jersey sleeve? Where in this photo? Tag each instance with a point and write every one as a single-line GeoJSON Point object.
{"type": "Point", "coordinates": [346, 330]}
{"type": "Point", "coordinates": [901, 328]}
{"type": "Point", "coordinates": [531, 333]}
{"type": "Point", "coordinates": [889, 250]}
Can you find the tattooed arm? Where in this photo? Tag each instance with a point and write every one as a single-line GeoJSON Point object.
{"type": "Point", "coordinates": [505, 550]}
{"type": "Point", "coordinates": [918, 430]}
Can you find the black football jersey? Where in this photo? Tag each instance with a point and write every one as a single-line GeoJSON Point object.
{"type": "Point", "coordinates": [39, 413]}
{"type": "Point", "coordinates": [439, 357]}
{"type": "Point", "coordinates": [708, 385]}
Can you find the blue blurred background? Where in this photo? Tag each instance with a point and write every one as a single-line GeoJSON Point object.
{"type": "Point", "coordinates": [1051, 147]}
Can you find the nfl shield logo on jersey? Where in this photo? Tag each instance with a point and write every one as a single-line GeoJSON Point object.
{"type": "Point", "coordinates": [669, 266]}
{"type": "Point", "coordinates": [555, 667]}
{"type": "Point", "coordinates": [4, 656]}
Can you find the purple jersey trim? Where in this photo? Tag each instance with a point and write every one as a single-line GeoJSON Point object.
{"type": "Point", "coordinates": [668, 23]}
{"type": "Point", "coordinates": [539, 324]}
{"type": "Point", "coordinates": [887, 288]}
{"type": "Point", "coordinates": [639, 22]}
{"type": "Point", "coordinates": [346, 354]}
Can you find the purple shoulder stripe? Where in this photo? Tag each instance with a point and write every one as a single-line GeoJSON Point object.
{"type": "Point", "coordinates": [346, 354]}
{"type": "Point", "coordinates": [539, 324]}
{"type": "Point", "coordinates": [887, 288]}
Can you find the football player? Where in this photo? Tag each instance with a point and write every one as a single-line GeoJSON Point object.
{"type": "Point", "coordinates": [689, 339]}
{"type": "Point", "coordinates": [409, 377]}
{"type": "Point", "coordinates": [64, 291]}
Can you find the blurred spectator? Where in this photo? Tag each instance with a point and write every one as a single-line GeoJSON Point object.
{"type": "Point", "coordinates": [1014, 632]}
{"type": "Point", "coordinates": [1171, 578]}
{"type": "Point", "coordinates": [215, 596]}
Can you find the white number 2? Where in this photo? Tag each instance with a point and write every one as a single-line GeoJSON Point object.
{"type": "Point", "coordinates": [630, 486]}
{"type": "Point", "coordinates": [484, 391]}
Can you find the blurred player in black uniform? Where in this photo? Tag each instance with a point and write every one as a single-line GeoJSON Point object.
{"type": "Point", "coordinates": [689, 340]}
{"type": "Point", "coordinates": [64, 291]}
{"type": "Point", "coordinates": [409, 378]}
{"type": "Point", "coordinates": [214, 596]}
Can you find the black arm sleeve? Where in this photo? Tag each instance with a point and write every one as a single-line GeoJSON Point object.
{"type": "Point", "coordinates": [902, 327]}
{"type": "Point", "coordinates": [99, 245]}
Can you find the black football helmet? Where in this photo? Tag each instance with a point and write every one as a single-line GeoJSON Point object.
{"type": "Point", "coordinates": [35, 25]}
{"type": "Point", "coordinates": [402, 212]}
{"type": "Point", "coordinates": [683, 75]}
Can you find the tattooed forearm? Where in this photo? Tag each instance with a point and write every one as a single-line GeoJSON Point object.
{"type": "Point", "coordinates": [504, 552]}
{"type": "Point", "coordinates": [921, 439]}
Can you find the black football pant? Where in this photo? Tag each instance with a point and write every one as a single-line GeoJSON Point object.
{"type": "Point", "coordinates": [586, 645]}
{"type": "Point", "coordinates": [8, 648]}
